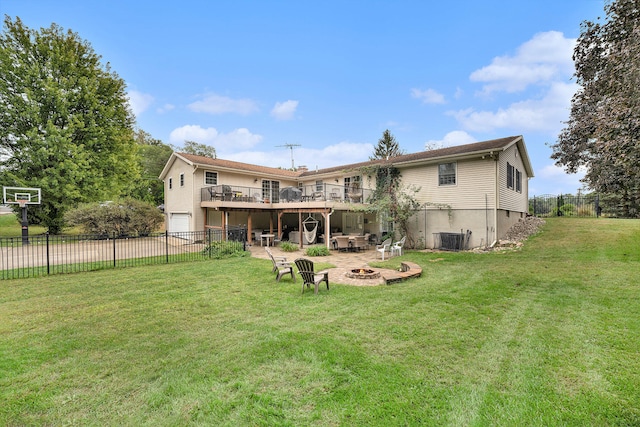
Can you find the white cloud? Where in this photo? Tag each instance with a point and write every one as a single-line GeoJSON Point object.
{"type": "Point", "coordinates": [284, 110]}
{"type": "Point", "coordinates": [165, 108]}
{"type": "Point", "coordinates": [139, 102]}
{"type": "Point", "coordinates": [545, 114]}
{"type": "Point", "coordinates": [457, 137]}
{"type": "Point", "coordinates": [552, 179]}
{"type": "Point", "coordinates": [546, 57]}
{"type": "Point", "coordinates": [240, 138]}
{"type": "Point", "coordinates": [428, 96]}
{"type": "Point", "coordinates": [216, 104]}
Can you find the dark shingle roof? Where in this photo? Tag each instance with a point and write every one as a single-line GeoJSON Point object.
{"type": "Point", "coordinates": [421, 156]}
{"type": "Point", "coordinates": [459, 150]}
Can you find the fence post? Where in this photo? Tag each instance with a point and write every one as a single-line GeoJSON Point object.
{"type": "Point", "coordinates": [47, 249]}
{"type": "Point", "coordinates": [166, 246]}
{"type": "Point", "coordinates": [114, 250]}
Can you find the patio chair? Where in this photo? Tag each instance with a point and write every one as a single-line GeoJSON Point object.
{"type": "Point", "coordinates": [342, 243]}
{"type": "Point", "coordinates": [367, 240]}
{"type": "Point", "coordinates": [383, 247]}
{"type": "Point", "coordinates": [309, 276]}
{"type": "Point", "coordinates": [359, 243]}
{"type": "Point", "coordinates": [280, 266]}
{"type": "Point", "coordinates": [397, 246]}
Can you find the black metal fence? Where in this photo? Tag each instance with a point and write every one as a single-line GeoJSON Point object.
{"type": "Point", "coordinates": [565, 205]}
{"type": "Point", "coordinates": [48, 254]}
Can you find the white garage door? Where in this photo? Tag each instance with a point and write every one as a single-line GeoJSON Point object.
{"type": "Point", "coordinates": [178, 223]}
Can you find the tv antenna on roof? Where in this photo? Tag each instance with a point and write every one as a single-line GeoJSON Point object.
{"type": "Point", "coordinates": [290, 146]}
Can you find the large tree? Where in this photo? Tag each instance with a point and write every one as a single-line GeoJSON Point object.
{"type": "Point", "coordinates": [65, 125]}
{"type": "Point", "coordinates": [603, 131]}
{"type": "Point", "coordinates": [387, 147]}
{"type": "Point", "coordinates": [199, 149]}
{"type": "Point", "coordinates": [153, 155]}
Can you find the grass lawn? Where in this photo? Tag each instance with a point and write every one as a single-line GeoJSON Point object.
{"type": "Point", "coordinates": [10, 227]}
{"type": "Point", "coordinates": [548, 335]}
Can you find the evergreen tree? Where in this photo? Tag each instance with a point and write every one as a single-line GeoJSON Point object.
{"type": "Point", "coordinates": [387, 147]}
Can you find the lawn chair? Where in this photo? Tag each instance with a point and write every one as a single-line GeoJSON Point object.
{"type": "Point", "coordinates": [309, 277]}
{"type": "Point", "coordinates": [397, 246]}
{"type": "Point", "coordinates": [280, 266]}
{"type": "Point", "coordinates": [384, 247]}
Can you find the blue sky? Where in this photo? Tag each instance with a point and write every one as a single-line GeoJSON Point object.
{"type": "Point", "coordinates": [248, 77]}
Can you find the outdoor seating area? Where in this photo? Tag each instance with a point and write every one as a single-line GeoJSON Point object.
{"type": "Point", "coordinates": [350, 268]}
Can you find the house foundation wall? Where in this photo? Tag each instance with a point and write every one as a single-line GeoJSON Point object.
{"type": "Point", "coordinates": [426, 222]}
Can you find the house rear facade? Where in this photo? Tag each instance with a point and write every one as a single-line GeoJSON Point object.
{"type": "Point", "coordinates": [477, 190]}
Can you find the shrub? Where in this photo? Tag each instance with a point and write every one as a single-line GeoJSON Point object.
{"type": "Point", "coordinates": [288, 247]}
{"type": "Point", "coordinates": [225, 249]}
{"type": "Point", "coordinates": [317, 251]}
{"type": "Point", "coordinates": [124, 218]}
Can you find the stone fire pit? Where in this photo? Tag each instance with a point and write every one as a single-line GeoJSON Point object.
{"type": "Point", "coordinates": [362, 273]}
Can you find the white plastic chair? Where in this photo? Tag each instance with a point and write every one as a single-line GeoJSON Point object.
{"type": "Point", "coordinates": [397, 246]}
{"type": "Point", "coordinates": [384, 247]}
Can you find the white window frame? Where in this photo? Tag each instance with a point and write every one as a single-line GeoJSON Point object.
{"type": "Point", "coordinates": [182, 180]}
{"type": "Point", "coordinates": [212, 173]}
{"type": "Point", "coordinates": [446, 179]}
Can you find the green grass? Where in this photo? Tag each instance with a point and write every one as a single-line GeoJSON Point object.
{"type": "Point", "coordinates": [548, 335]}
{"type": "Point", "coordinates": [10, 227]}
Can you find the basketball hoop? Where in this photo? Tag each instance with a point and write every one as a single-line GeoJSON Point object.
{"type": "Point", "coordinates": [22, 203]}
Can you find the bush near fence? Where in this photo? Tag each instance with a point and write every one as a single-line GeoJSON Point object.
{"type": "Point", "coordinates": [47, 254]}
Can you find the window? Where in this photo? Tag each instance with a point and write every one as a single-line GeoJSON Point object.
{"type": "Point", "coordinates": [271, 190]}
{"type": "Point", "coordinates": [170, 183]}
{"type": "Point", "coordinates": [347, 186]}
{"type": "Point", "coordinates": [510, 175]}
{"type": "Point", "coordinates": [319, 186]}
{"type": "Point", "coordinates": [211, 178]}
{"type": "Point", "coordinates": [181, 180]}
{"type": "Point", "coordinates": [518, 181]}
{"type": "Point", "coordinates": [447, 174]}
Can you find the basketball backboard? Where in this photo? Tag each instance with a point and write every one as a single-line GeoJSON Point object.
{"type": "Point", "coordinates": [21, 195]}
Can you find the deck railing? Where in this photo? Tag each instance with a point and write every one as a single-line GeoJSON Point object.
{"type": "Point", "coordinates": [306, 193]}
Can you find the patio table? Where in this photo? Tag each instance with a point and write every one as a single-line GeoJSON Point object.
{"type": "Point", "coordinates": [267, 237]}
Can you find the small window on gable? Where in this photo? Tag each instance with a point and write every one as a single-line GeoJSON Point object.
{"type": "Point", "coordinates": [518, 181]}
{"type": "Point", "coordinates": [211, 178]}
{"type": "Point", "coordinates": [181, 180]}
{"type": "Point", "coordinates": [510, 175]}
{"type": "Point", "coordinates": [447, 174]}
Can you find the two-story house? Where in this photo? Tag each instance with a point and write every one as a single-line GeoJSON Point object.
{"type": "Point", "coordinates": [478, 190]}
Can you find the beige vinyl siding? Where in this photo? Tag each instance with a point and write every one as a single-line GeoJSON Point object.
{"type": "Point", "coordinates": [474, 188]}
{"type": "Point", "coordinates": [510, 199]}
